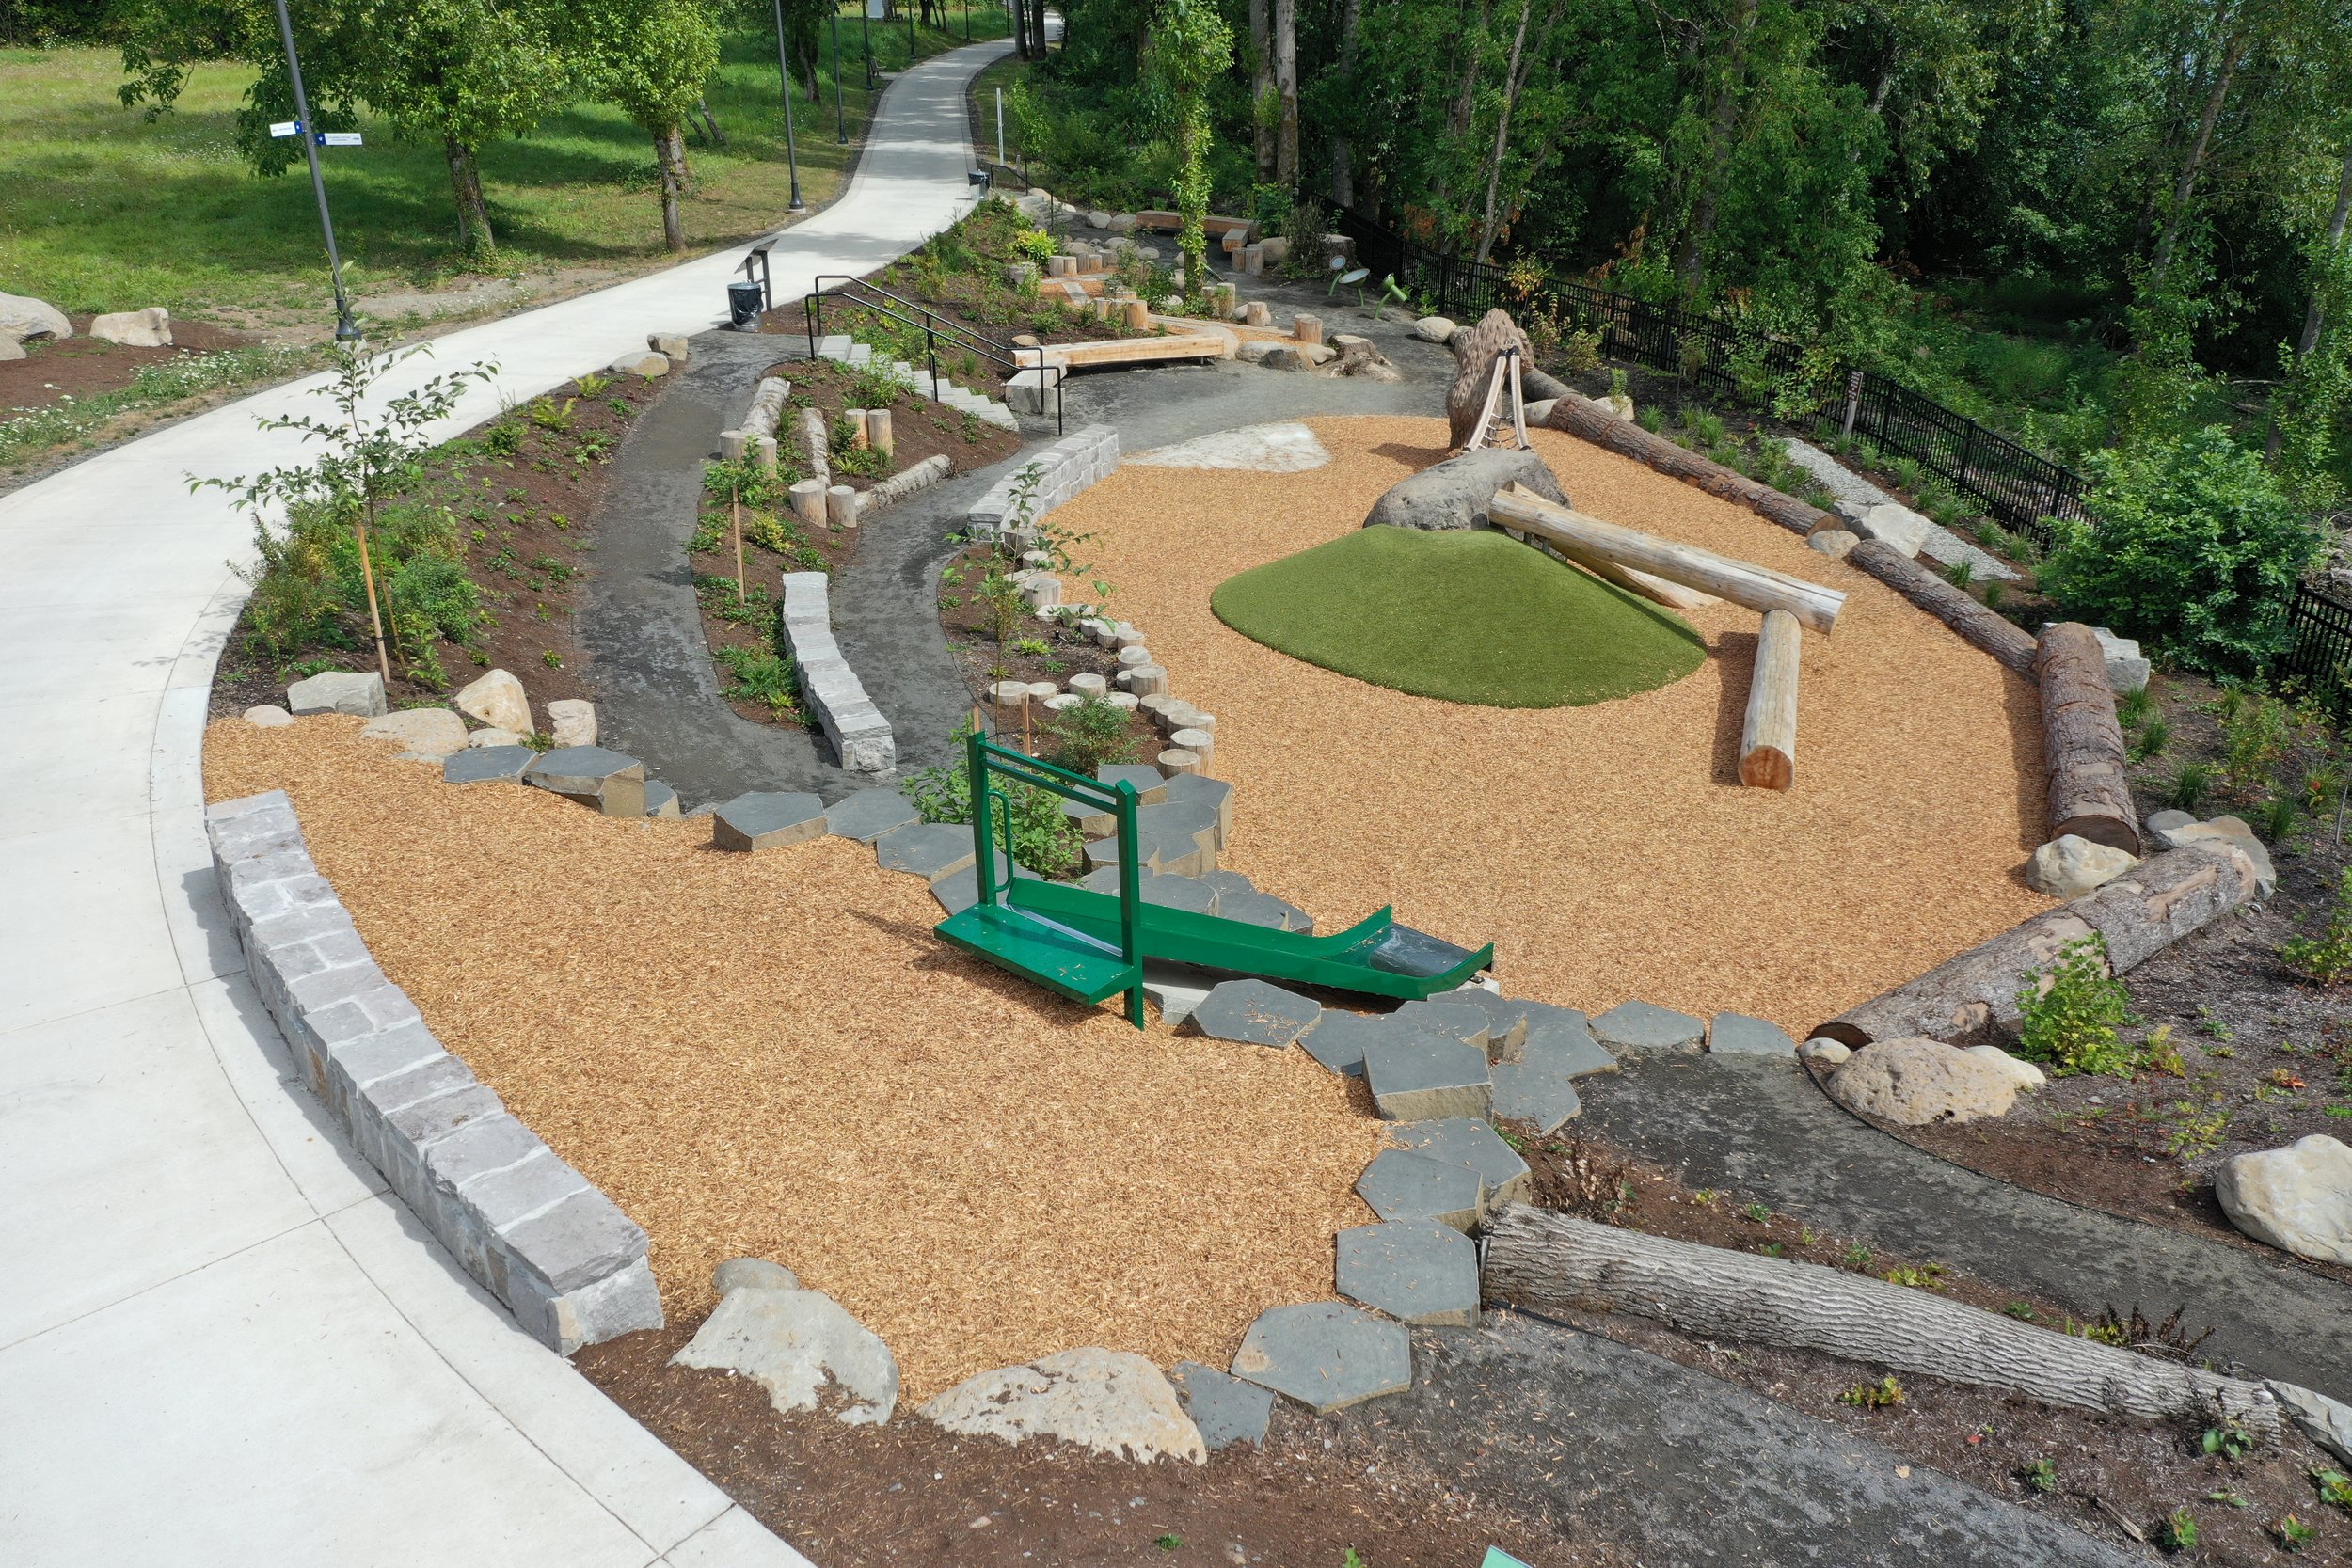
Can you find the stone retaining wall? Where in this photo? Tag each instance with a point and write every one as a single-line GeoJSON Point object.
{"type": "Point", "coordinates": [1072, 465]}
{"type": "Point", "coordinates": [860, 735]}
{"type": "Point", "coordinates": [559, 1254]}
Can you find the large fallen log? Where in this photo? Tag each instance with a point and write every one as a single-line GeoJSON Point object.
{"type": "Point", "coordinates": [2090, 787]}
{"type": "Point", "coordinates": [1553, 1262]}
{"type": "Point", "coordinates": [1580, 417]}
{"type": "Point", "coordinates": [1759, 588]}
{"type": "Point", "coordinates": [1977, 626]}
{"type": "Point", "coordinates": [2140, 913]}
{"type": "Point", "coordinates": [1768, 737]}
{"type": "Point", "coordinates": [1655, 589]}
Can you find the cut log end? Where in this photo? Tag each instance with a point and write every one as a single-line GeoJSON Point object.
{"type": "Point", "coordinates": [1768, 737]}
{"type": "Point", "coordinates": [1766, 767]}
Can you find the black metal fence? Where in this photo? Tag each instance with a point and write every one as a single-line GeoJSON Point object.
{"type": "Point", "coordinates": [2017, 486]}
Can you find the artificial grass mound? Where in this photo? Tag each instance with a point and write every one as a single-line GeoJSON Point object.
{"type": "Point", "coordinates": [1468, 616]}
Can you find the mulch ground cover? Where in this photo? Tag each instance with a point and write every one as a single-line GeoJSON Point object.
{"type": "Point", "coordinates": [525, 489]}
{"type": "Point", "coordinates": [82, 366]}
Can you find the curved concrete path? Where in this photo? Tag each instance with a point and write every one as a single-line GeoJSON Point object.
{"type": "Point", "coordinates": [221, 1340]}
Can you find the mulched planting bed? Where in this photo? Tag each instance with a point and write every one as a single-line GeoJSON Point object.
{"type": "Point", "coordinates": [2103, 1468]}
{"type": "Point", "coordinates": [1032, 649]}
{"type": "Point", "coordinates": [81, 366]}
{"type": "Point", "coordinates": [523, 491]}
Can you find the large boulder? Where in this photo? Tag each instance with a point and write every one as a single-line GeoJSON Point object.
{"type": "Point", "coordinates": [793, 1344]}
{"type": "Point", "coordinates": [573, 721]}
{"type": "Point", "coordinates": [1435, 329]}
{"type": "Point", "coordinates": [339, 692]}
{"type": "Point", "coordinates": [147, 328]}
{"type": "Point", "coordinates": [429, 733]}
{"type": "Point", "coordinates": [2298, 1198]}
{"type": "Point", "coordinates": [2068, 866]}
{"type": "Point", "coordinates": [1456, 492]}
{"type": "Point", "coordinates": [2177, 830]}
{"type": "Point", "coordinates": [1915, 1082]}
{"type": "Point", "coordinates": [497, 700]}
{"type": "Point", "coordinates": [1112, 1402]}
{"type": "Point", "coordinates": [22, 316]}
{"type": "Point", "coordinates": [1891, 523]}
{"type": "Point", "coordinates": [1475, 356]}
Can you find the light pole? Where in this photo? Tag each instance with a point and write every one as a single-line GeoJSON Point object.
{"type": "Point", "coordinates": [783, 75]}
{"type": "Point", "coordinates": [865, 23]}
{"type": "Point", "coordinates": [909, 38]}
{"type": "Point", "coordinates": [841, 119]}
{"type": "Point", "coordinates": [346, 330]}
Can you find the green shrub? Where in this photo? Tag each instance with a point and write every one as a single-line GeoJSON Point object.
{"type": "Point", "coordinates": [2071, 1011]}
{"type": "Point", "coordinates": [2196, 549]}
{"type": "Point", "coordinates": [431, 598]}
{"type": "Point", "coordinates": [1044, 838]}
{"type": "Point", "coordinates": [760, 676]}
{"type": "Point", "coordinates": [1089, 735]}
{"type": "Point", "coordinates": [2327, 958]}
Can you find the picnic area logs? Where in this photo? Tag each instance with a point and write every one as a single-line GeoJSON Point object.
{"type": "Point", "coordinates": [1768, 737]}
{"type": "Point", "coordinates": [1579, 416]}
{"type": "Point", "coordinates": [1758, 588]}
{"type": "Point", "coordinates": [2091, 789]}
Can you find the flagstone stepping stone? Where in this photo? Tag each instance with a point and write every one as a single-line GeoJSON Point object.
{"type": "Point", "coordinates": [1109, 1401]}
{"type": "Point", "coordinates": [1527, 1091]}
{"type": "Point", "coordinates": [1337, 1039]}
{"type": "Point", "coordinates": [927, 850]}
{"type": "Point", "coordinates": [1254, 1012]}
{"type": "Point", "coordinates": [1506, 1020]}
{"type": "Point", "coordinates": [1326, 1356]}
{"type": "Point", "coordinates": [661, 799]}
{"type": "Point", "coordinates": [1182, 892]}
{"type": "Point", "coordinates": [488, 765]}
{"type": "Point", "coordinates": [1738, 1035]}
{"type": "Point", "coordinates": [1455, 1021]}
{"type": "Point", "coordinates": [1226, 1409]}
{"type": "Point", "coordinates": [1421, 1077]}
{"type": "Point", "coordinates": [1226, 882]}
{"type": "Point", "coordinates": [775, 818]}
{"type": "Point", "coordinates": [1644, 1026]}
{"type": "Point", "coordinates": [1559, 1040]}
{"type": "Point", "coordinates": [1476, 1147]}
{"type": "Point", "coordinates": [339, 692]}
{"type": "Point", "coordinates": [1399, 1184]}
{"type": "Point", "coordinates": [1197, 789]}
{"type": "Point", "coordinates": [868, 814]}
{"type": "Point", "coordinates": [593, 776]}
{"type": "Point", "coordinates": [1150, 788]}
{"type": "Point", "coordinates": [1093, 821]}
{"type": "Point", "coordinates": [1179, 840]}
{"type": "Point", "coordinates": [1416, 1270]}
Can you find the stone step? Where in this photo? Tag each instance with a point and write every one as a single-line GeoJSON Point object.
{"type": "Point", "coordinates": [833, 347]}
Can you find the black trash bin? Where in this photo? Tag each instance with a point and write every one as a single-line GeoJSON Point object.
{"type": "Point", "coordinates": [743, 302]}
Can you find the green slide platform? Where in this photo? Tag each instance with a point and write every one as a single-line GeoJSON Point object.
{"type": "Point", "coordinates": [1067, 938]}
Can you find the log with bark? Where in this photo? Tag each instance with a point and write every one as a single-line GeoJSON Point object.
{"type": "Point", "coordinates": [2140, 913]}
{"type": "Point", "coordinates": [1553, 1262]}
{"type": "Point", "coordinates": [1759, 588]}
{"type": "Point", "coordinates": [1768, 737]}
{"type": "Point", "coordinates": [2090, 787]}
{"type": "Point", "coordinates": [1977, 626]}
{"type": "Point", "coordinates": [1580, 417]}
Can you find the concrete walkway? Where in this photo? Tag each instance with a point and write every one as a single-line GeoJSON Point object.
{"type": "Point", "coordinates": [221, 1341]}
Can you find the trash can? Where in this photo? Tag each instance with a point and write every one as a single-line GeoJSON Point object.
{"type": "Point", "coordinates": [743, 304]}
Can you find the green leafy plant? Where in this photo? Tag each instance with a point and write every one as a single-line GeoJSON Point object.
{"type": "Point", "coordinates": [2335, 1488]}
{"type": "Point", "coordinates": [2227, 1438]}
{"type": "Point", "coordinates": [1858, 1256]}
{"type": "Point", "coordinates": [760, 676]}
{"type": "Point", "coordinates": [1089, 735]}
{"type": "Point", "coordinates": [1928, 1278]}
{"type": "Point", "coordinates": [2177, 1531]}
{"type": "Point", "coordinates": [2186, 788]}
{"type": "Point", "coordinates": [2023, 1311]}
{"type": "Point", "coordinates": [2134, 706]}
{"type": "Point", "coordinates": [2152, 740]}
{"type": "Point", "coordinates": [2041, 1475]}
{"type": "Point", "coordinates": [2292, 1533]}
{"type": "Point", "coordinates": [2327, 958]}
{"type": "Point", "coordinates": [1961, 573]}
{"type": "Point", "coordinates": [2071, 1011]}
{"type": "Point", "coordinates": [591, 384]}
{"type": "Point", "coordinates": [1044, 838]}
{"type": "Point", "coordinates": [1881, 1395]}
{"type": "Point", "coordinates": [550, 416]}
{"type": "Point", "coordinates": [1167, 1543]}
{"type": "Point", "coordinates": [1759, 1215]}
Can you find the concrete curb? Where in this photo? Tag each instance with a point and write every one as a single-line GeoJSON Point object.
{"type": "Point", "coordinates": [560, 1255]}
{"type": "Point", "coordinates": [861, 735]}
{"type": "Point", "coordinates": [1067, 469]}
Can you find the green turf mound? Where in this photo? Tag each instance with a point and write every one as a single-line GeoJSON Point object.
{"type": "Point", "coordinates": [1469, 616]}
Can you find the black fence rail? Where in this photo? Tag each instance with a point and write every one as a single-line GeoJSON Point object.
{"type": "Point", "coordinates": [2014, 483]}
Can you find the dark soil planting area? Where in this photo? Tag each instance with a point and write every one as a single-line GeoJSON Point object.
{"type": "Point", "coordinates": [83, 366]}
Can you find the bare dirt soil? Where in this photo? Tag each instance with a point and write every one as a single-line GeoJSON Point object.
{"type": "Point", "coordinates": [82, 366]}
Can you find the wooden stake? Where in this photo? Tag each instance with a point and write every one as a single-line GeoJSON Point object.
{"type": "Point", "coordinates": [735, 505]}
{"type": "Point", "coordinates": [375, 615]}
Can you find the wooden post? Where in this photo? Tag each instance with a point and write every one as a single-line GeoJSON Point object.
{"type": "Point", "coordinates": [878, 431]}
{"type": "Point", "coordinates": [735, 509]}
{"type": "Point", "coordinates": [1307, 328]}
{"type": "Point", "coordinates": [767, 454]}
{"type": "Point", "coordinates": [1853, 401]}
{"type": "Point", "coordinates": [2090, 787]}
{"type": "Point", "coordinates": [1768, 739]}
{"type": "Point", "coordinates": [808, 501]}
{"type": "Point", "coordinates": [1138, 315]}
{"type": "Point", "coordinates": [858, 439]}
{"type": "Point", "coordinates": [841, 506]}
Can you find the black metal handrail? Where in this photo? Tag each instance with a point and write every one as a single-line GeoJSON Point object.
{"type": "Point", "coordinates": [933, 328]}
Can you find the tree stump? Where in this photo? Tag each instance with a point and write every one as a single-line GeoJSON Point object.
{"type": "Point", "coordinates": [841, 506]}
{"type": "Point", "coordinates": [877, 431]}
{"type": "Point", "coordinates": [1307, 328]}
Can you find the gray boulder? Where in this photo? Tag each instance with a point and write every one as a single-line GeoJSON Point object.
{"type": "Point", "coordinates": [2298, 1198]}
{"type": "Point", "coordinates": [1916, 1082]}
{"type": "Point", "coordinates": [2220, 834]}
{"type": "Point", "coordinates": [793, 1344]}
{"type": "Point", "coordinates": [431, 733]}
{"type": "Point", "coordinates": [22, 316]}
{"type": "Point", "coordinates": [2068, 866]}
{"type": "Point", "coordinates": [1456, 492]}
{"type": "Point", "coordinates": [147, 328]}
{"type": "Point", "coordinates": [1112, 1401]}
{"type": "Point", "coordinates": [339, 692]}
{"type": "Point", "coordinates": [1891, 523]}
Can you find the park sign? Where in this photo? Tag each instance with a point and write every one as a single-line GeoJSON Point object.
{"type": "Point", "coordinates": [324, 138]}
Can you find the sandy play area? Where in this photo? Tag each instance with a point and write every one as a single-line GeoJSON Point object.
{"type": "Point", "coordinates": [1608, 852]}
{"type": "Point", "coordinates": [772, 1055]}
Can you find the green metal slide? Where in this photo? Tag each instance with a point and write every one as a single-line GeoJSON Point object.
{"type": "Point", "coordinates": [1087, 945]}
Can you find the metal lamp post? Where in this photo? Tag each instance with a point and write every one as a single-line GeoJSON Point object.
{"type": "Point", "coordinates": [841, 119]}
{"type": "Point", "coordinates": [910, 38]}
{"type": "Point", "coordinates": [865, 24]}
{"type": "Point", "coordinates": [784, 76]}
{"type": "Point", "coordinates": [346, 330]}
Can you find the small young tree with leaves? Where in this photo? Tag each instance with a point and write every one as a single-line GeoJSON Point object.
{"type": "Point", "coordinates": [371, 455]}
{"type": "Point", "coordinates": [1191, 46]}
{"type": "Point", "coordinates": [650, 58]}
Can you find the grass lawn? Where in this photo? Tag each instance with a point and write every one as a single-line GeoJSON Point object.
{"type": "Point", "coordinates": [1462, 616]}
{"type": "Point", "coordinates": [111, 210]}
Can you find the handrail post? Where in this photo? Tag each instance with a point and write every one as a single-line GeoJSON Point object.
{"type": "Point", "coordinates": [1130, 899]}
{"type": "Point", "coordinates": [813, 317]}
{"type": "Point", "coordinates": [975, 763]}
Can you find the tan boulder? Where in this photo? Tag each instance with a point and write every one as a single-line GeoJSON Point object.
{"type": "Point", "coordinates": [497, 700]}
{"type": "Point", "coordinates": [572, 720]}
{"type": "Point", "coordinates": [2298, 1198]}
{"type": "Point", "coordinates": [421, 732]}
{"type": "Point", "coordinates": [1915, 1081]}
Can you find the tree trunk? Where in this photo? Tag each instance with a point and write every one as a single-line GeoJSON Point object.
{"type": "Point", "coordinates": [1262, 88]}
{"type": "Point", "coordinates": [2082, 745]}
{"type": "Point", "coordinates": [1974, 996]}
{"type": "Point", "coordinates": [1514, 76]}
{"type": "Point", "coordinates": [1286, 89]}
{"type": "Point", "coordinates": [710, 121]}
{"type": "Point", "coordinates": [1691, 267]}
{"type": "Point", "coordinates": [1977, 626]}
{"type": "Point", "coordinates": [2316, 314]}
{"type": "Point", "coordinates": [1036, 28]}
{"type": "Point", "coordinates": [1768, 734]}
{"type": "Point", "coordinates": [1554, 1262]}
{"type": "Point", "coordinates": [1758, 588]}
{"type": "Point", "coordinates": [2185, 184]}
{"type": "Point", "coordinates": [669, 155]}
{"type": "Point", "coordinates": [1343, 151]}
{"type": "Point", "coordinates": [473, 213]}
{"type": "Point", "coordinates": [1580, 417]}
{"type": "Point", "coordinates": [1457, 116]}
